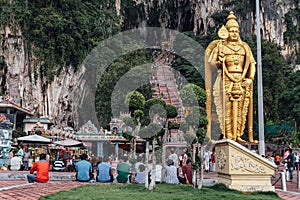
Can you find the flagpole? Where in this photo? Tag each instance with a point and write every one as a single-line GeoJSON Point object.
{"type": "Point", "coordinates": [261, 144]}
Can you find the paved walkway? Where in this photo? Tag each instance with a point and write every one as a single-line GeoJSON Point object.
{"type": "Point", "coordinates": [292, 193]}
{"type": "Point", "coordinates": [22, 190]}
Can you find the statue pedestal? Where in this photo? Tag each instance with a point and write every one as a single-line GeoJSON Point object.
{"type": "Point", "coordinates": [241, 169]}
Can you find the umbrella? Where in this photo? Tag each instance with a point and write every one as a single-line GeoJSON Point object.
{"type": "Point", "coordinates": [34, 139]}
{"type": "Point", "coordinates": [69, 143]}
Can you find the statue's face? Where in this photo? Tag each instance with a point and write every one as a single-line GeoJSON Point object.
{"type": "Point", "coordinates": [234, 34]}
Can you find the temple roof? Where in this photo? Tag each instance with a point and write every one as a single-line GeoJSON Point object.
{"type": "Point", "coordinates": [6, 104]}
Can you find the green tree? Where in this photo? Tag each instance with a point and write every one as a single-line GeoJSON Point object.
{"type": "Point", "coordinates": [289, 98]}
{"type": "Point", "coordinates": [289, 106]}
{"type": "Point", "coordinates": [172, 111]}
{"type": "Point", "coordinates": [110, 78]}
{"type": "Point", "coordinates": [136, 101]}
{"type": "Point", "coordinates": [275, 72]}
{"type": "Point", "coordinates": [194, 97]}
{"type": "Point", "coordinates": [60, 33]}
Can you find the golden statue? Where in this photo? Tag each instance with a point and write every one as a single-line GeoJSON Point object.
{"type": "Point", "coordinates": [233, 88]}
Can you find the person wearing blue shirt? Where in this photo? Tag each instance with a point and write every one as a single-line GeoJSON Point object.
{"type": "Point", "coordinates": [84, 170]}
{"type": "Point", "coordinates": [104, 171]}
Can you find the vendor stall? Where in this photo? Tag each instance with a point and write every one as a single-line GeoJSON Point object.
{"type": "Point", "coordinates": [38, 144]}
{"type": "Point", "coordinates": [67, 150]}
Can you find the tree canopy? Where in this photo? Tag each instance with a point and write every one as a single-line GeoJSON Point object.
{"type": "Point", "coordinates": [60, 33]}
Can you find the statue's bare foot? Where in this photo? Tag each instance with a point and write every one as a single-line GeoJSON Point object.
{"type": "Point", "coordinates": [253, 141]}
{"type": "Point", "coordinates": [238, 139]}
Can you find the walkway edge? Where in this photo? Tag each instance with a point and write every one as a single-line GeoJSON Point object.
{"type": "Point", "coordinates": [291, 192]}
{"type": "Point", "coordinates": [15, 186]}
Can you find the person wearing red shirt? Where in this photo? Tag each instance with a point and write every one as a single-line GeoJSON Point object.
{"type": "Point", "coordinates": [42, 168]}
{"type": "Point", "coordinates": [187, 172]}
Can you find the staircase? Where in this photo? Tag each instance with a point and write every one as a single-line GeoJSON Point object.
{"type": "Point", "coordinates": [165, 87]}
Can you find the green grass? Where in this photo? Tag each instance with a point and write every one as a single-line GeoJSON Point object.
{"type": "Point", "coordinates": [161, 192]}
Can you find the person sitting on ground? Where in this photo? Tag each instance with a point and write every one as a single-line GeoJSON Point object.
{"type": "Point", "coordinates": [42, 168]}
{"type": "Point", "coordinates": [140, 175]}
{"type": "Point", "coordinates": [59, 165]}
{"type": "Point", "coordinates": [123, 169]}
{"type": "Point", "coordinates": [84, 169]}
{"type": "Point", "coordinates": [104, 171]}
{"type": "Point", "coordinates": [180, 175]}
{"type": "Point", "coordinates": [187, 172]}
{"type": "Point", "coordinates": [157, 171]}
{"type": "Point", "coordinates": [138, 163]}
{"type": "Point", "coordinates": [171, 172]}
{"type": "Point", "coordinates": [16, 163]}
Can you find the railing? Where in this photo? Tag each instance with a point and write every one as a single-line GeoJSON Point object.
{"type": "Point", "coordinates": [282, 175]}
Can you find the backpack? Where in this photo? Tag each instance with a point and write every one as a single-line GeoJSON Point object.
{"type": "Point", "coordinates": [293, 160]}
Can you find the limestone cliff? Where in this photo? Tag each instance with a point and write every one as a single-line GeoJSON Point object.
{"type": "Point", "coordinates": [196, 15]}
{"type": "Point", "coordinates": [20, 75]}
{"type": "Point", "coordinates": [21, 79]}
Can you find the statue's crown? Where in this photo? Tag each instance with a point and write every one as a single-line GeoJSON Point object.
{"type": "Point", "coordinates": [231, 21]}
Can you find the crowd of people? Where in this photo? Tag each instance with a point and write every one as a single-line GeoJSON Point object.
{"type": "Point", "coordinates": [21, 158]}
{"type": "Point", "coordinates": [178, 168]}
{"type": "Point", "coordinates": [290, 160]}
{"type": "Point", "coordinates": [18, 159]}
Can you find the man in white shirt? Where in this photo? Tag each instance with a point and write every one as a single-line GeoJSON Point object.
{"type": "Point", "coordinates": [171, 173]}
{"type": "Point", "coordinates": [157, 172]}
{"type": "Point", "coordinates": [15, 163]}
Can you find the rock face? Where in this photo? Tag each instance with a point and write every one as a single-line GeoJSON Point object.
{"type": "Point", "coordinates": [195, 15]}
{"type": "Point", "coordinates": [20, 77]}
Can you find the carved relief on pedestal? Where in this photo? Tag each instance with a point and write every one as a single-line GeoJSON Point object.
{"type": "Point", "coordinates": [243, 163]}
{"type": "Point", "coordinates": [221, 159]}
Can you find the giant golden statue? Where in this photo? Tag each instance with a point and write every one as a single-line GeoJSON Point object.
{"type": "Point", "coordinates": [232, 90]}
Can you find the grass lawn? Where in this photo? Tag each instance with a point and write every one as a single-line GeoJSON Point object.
{"type": "Point", "coordinates": [161, 192]}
